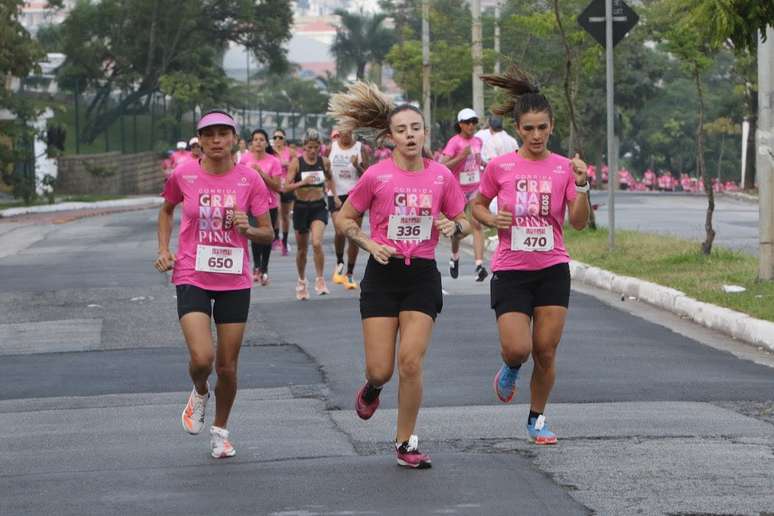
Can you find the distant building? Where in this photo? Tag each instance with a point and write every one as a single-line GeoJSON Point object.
{"type": "Point", "coordinates": [36, 14]}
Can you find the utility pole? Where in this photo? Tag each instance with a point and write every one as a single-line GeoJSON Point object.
{"type": "Point", "coordinates": [426, 112]}
{"type": "Point", "coordinates": [765, 156]}
{"type": "Point", "coordinates": [497, 37]}
{"type": "Point", "coordinates": [612, 150]}
{"type": "Point", "coordinates": [478, 85]}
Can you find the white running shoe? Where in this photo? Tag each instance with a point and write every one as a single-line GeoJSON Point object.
{"type": "Point", "coordinates": [220, 446]}
{"type": "Point", "coordinates": [193, 413]}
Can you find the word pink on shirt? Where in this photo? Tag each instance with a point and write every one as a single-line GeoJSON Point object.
{"type": "Point", "coordinates": [402, 203]}
{"type": "Point", "coordinates": [270, 165]}
{"type": "Point", "coordinates": [467, 171]}
{"type": "Point", "coordinates": [206, 223]}
{"type": "Point", "coordinates": [536, 193]}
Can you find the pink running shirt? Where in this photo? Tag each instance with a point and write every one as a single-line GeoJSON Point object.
{"type": "Point", "coordinates": [271, 166]}
{"type": "Point", "coordinates": [385, 190]}
{"type": "Point", "coordinates": [209, 202]}
{"type": "Point", "coordinates": [285, 159]}
{"type": "Point", "coordinates": [467, 171]}
{"type": "Point", "coordinates": [537, 193]}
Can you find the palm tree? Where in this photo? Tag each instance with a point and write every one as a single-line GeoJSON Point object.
{"type": "Point", "coordinates": [361, 39]}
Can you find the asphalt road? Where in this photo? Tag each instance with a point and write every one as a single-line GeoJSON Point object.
{"type": "Point", "coordinates": [683, 215]}
{"type": "Point", "coordinates": [654, 415]}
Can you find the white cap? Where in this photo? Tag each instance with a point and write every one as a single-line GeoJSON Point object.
{"type": "Point", "coordinates": [193, 141]}
{"type": "Point", "coordinates": [466, 114]}
{"type": "Point", "coordinates": [180, 145]}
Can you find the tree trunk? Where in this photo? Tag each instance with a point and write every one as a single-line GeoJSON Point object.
{"type": "Point", "coordinates": [706, 246]}
{"type": "Point", "coordinates": [573, 145]}
{"type": "Point", "coordinates": [360, 73]}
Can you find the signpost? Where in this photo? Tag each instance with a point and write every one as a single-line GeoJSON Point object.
{"type": "Point", "coordinates": [608, 21]}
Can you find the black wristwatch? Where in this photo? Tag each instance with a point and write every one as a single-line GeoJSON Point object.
{"type": "Point", "coordinates": [457, 228]}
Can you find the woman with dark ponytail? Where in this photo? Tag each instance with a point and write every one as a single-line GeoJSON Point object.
{"type": "Point", "coordinates": [411, 201]}
{"type": "Point", "coordinates": [530, 287]}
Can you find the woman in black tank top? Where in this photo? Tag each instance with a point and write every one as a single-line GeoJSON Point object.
{"type": "Point", "coordinates": [310, 213]}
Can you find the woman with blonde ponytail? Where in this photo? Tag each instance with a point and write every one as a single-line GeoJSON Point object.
{"type": "Point", "coordinates": [411, 201]}
{"type": "Point", "coordinates": [530, 287]}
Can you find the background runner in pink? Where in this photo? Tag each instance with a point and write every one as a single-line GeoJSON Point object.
{"type": "Point", "coordinates": [271, 166]}
{"type": "Point", "coordinates": [536, 192]}
{"type": "Point", "coordinates": [387, 190]}
{"type": "Point", "coordinates": [209, 202]}
{"type": "Point", "coordinates": [473, 161]}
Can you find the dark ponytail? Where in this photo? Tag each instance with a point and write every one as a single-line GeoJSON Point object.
{"type": "Point", "coordinates": [523, 96]}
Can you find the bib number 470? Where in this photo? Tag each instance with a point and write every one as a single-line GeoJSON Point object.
{"type": "Point", "coordinates": [532, 239]}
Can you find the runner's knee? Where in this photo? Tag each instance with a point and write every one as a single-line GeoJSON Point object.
{"type": "Point", "coordinates": [226, 371]}
{"type": "Point", "coordinates": [378, 375]}
{"type": "Point", "coordinates": [410, 365]}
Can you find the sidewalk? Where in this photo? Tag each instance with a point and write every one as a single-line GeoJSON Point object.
{"type": "Point", "coordinates": [133, 202]}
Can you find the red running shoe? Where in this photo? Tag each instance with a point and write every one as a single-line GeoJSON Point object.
{"type": "Point", "coordinates": [409, 455]}
{"type": "Point", "coordinates": [365, 410]}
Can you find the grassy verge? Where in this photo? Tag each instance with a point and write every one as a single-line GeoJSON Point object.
{"type": "Point", "coordinates": [678, 264]}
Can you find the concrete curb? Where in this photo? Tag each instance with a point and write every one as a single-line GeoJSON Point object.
{"type": "Point", "coordinates": [741, 196]}
{"type": "Point", "coordinates": [68, 206]}
{"type": "Point", "coordinates": [735, 324]}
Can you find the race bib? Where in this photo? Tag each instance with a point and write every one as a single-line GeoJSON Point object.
{"type": "Point", "coordinates": [409, 227]}
{"type": "Point", "coordinates": [227, 260]}
{"type": "Point", "coordinates": [346, 174]}
{"type": "Point", "coordinates": [318, 175]}
{"type": "Point", "coordinates": [470, 177]}
{"type": "Point", "coordinates": [532, 239]}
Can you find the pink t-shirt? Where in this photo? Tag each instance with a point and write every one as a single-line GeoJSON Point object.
{"type": "Point", "coordinates": [536, 192]}
{"type": "Point", "coordinates": [467, 171]}
{"type": "Point", "coordinates": [209, 202]}
{"type": "Point", "coordinates": [385, 190]}
{"type": "Point", "coordinates": [271, 166]}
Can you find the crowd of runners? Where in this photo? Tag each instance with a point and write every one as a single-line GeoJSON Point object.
{"type": "Point", "coordinates": [234, 193]}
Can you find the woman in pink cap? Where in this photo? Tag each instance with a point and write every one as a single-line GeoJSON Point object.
{"type": "Point", "coordinates": [411, 201]}
{"type": "Point", "coordinates": [211, 267]}
{"type": "Point", "coordinates": [462, 155]}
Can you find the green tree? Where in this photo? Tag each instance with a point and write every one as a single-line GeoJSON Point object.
{"type": "Point", "coordinates": [361, 40]}
{"type": "Point", "coordinates": [19, 55]}
{"type": "Point", "coordinates": [134, 45]}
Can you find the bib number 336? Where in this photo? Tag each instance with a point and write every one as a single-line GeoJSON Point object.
{"type": "Point", "coordinates": [409, 227]}
{"type": "Point", "coordinates": [227, 260]}
{"type": "Point", "coordinates": [532, 239]}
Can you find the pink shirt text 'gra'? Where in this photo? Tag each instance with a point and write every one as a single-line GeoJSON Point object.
{"type": "Point", "coordinates": [209, 202]}
{"type": "Point", "coordinates": [536, 193]}
{"type": "Point", "coordinates": [384, 190]}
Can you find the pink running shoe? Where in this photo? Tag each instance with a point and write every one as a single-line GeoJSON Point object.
{"type": "Point", "coordinates": [276, 245]}
{"type": "Point", "coordinates": [409, 455]}
{"type": "Point", "coordinates": [364, 409]}
{"type": "Point", "coordinates": [257, 275]}
{"type": "Point", "coordinates": [284, 249]}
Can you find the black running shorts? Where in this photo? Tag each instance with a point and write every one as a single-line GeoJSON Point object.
{"type": "Point", "coordinates": [387, 290]}
{"type": "Point", "coordinates": [522, 291]}
{"type": "Point", "coordinates": [305, 212]}
{"type": "Point", "coordinates": [224, 306]}
{"type": "Point", "coordinates": [332, 205]}
{"type": "Point", "coordinates": [286, 197]}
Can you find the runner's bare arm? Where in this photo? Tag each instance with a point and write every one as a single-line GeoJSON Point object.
{"type": "Point", "coordinates": [166, 259]}
{"type": "Point", "coordinates": [503, 219]}
{"type": "Point", "coordinates": [330, 184]}
{"type": "Point", "coordinates": [452, 162]}
{"type": "Point", "coordinates": [290, 182]}
{"type": "Point", "coordinates": [262, 234]}
{"type": "Point", "coordinates": [347, 222]}
{"type": "Point", "coordinates": [457, 228]}
{"type": "Point", "coordinates": [579, 207]}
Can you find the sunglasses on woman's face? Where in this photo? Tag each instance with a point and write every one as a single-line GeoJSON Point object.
{"type": "Point", "coordinates": [278, 137]}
